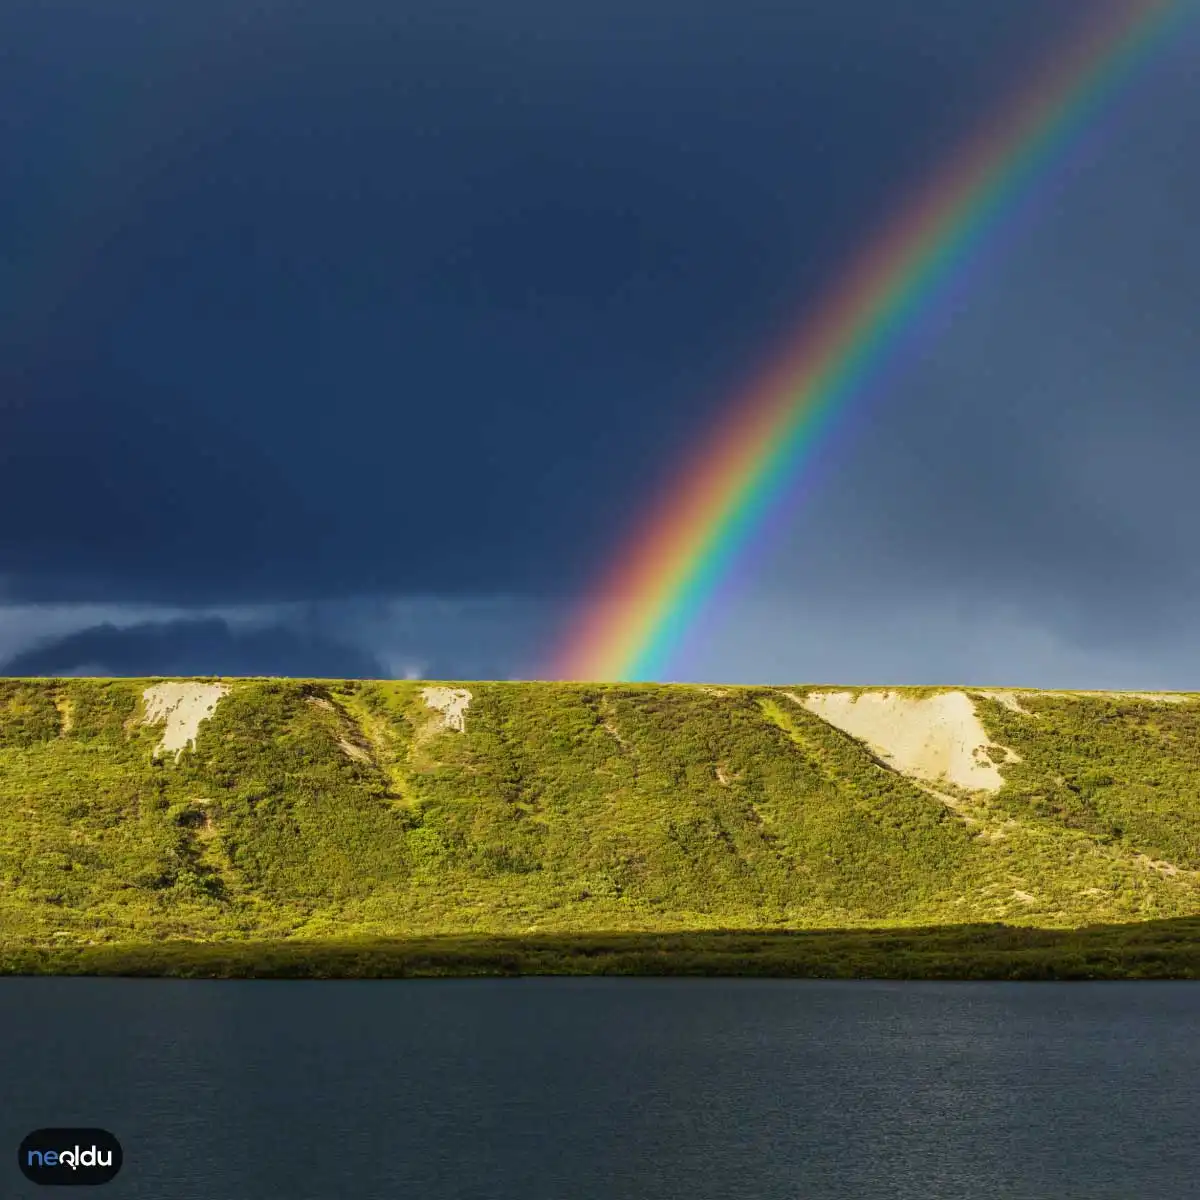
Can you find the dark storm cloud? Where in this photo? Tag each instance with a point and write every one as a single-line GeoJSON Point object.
{"type": "Point", "coordinates": [322, 301]}
{"type": "Point", "coordinates": [194, 647]}
{"type": "Point", "coordinates": [339, 307]}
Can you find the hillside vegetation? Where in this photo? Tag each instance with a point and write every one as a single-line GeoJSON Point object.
{"type": "Point", "coordinates": [345, 827]}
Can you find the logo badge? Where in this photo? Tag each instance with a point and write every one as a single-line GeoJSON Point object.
{"type": "Point", "coordinates": [70, 1156]}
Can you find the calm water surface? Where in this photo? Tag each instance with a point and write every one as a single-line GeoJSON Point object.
{"type": "Point", "coordinates": [570, 1089]}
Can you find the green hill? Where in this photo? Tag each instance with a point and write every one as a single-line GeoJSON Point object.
{"type": "Point", "coordinates": [344, 827]}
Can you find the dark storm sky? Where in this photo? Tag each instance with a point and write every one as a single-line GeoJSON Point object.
{"type": "Point", "coordinates": [366, 330]}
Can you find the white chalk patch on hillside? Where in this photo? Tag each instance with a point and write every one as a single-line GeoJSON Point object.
{"type": "Point", "coordinates": [352, 751]}
{"type": "Point", "coordinates": [451, 702]}
{"type": "Point", "coordinates": [935, 738]}
{"type": "Point", "coordinates": [183, 706]}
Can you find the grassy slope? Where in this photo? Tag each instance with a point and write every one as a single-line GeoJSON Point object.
{"type": "Point", "coordinates": [340, 824]}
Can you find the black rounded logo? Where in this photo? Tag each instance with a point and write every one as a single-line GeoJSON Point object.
{"type": "Point", "coordinates": [71, 1156]}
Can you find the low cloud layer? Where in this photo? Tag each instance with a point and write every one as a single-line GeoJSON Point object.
{"type": "Point", "coordinates": [832, 635]}
{"type": "Point", "coordinates": [193, 647]}
{"type": "Point", "coordinates": [417, 638]}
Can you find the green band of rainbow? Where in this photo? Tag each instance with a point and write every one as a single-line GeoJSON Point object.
{"type": "Point", "coordinates": [631, 626]}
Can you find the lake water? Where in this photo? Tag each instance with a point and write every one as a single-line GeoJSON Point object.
{"type": "Point", "coordinates": [602, 1089]}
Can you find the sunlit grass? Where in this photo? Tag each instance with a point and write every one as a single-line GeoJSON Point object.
{"type": "Point", "coordinates": [565, 811]}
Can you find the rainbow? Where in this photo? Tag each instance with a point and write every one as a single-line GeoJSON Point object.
{"type": "Point", "coordinates": [665, 579]}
